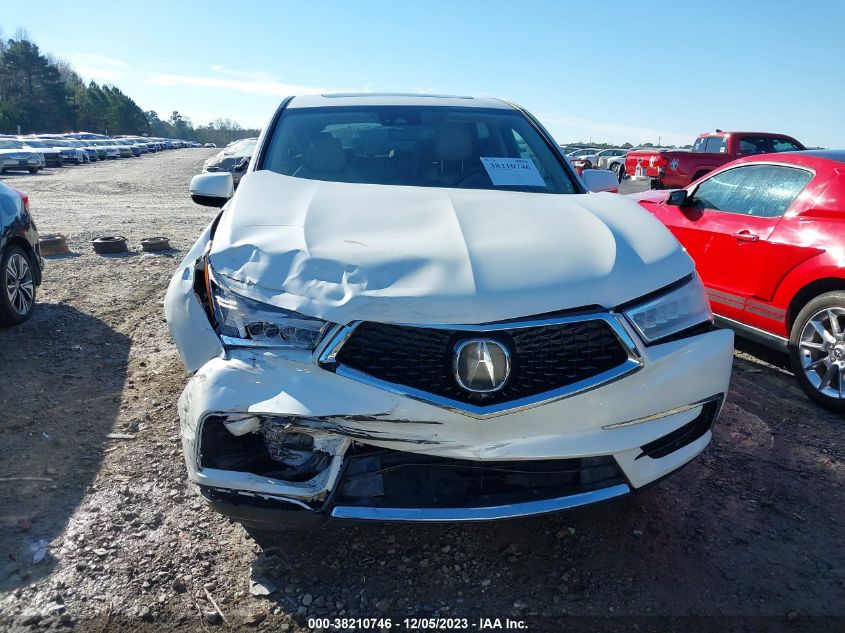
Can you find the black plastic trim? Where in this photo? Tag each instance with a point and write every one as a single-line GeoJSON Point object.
{"type": "Point", "coordinates": [684, 435]}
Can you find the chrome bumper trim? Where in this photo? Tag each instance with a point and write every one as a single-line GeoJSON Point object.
{"type": "Point", "coordinates": [511, 511]}
{"type": "Point", "coordinates": [665, 414]}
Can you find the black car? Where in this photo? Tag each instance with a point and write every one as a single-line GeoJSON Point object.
{"type": "Point", "coordinates": [233, 159]}
{"type": "Point", "coordinates": [20, 258]}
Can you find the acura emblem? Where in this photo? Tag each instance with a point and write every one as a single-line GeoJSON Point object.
{"type": "Point", "coordinates": [482, 365]}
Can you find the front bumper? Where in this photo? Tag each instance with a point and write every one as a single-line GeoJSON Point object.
{"type": "Point", "coordinates": [53, 160]}
{"type": "Point", "coordinates": [638, 429]}
{"type": "Point", "coordinates": [13, 164]}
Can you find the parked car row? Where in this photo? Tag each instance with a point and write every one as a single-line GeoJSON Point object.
{"type": "Point", "coordinates": [582, 158]}
{"type": "Point", "coordinates": [667, 168]}
{"type": "Point", "coordinates": [34, 152]}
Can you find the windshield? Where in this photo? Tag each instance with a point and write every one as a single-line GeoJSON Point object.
{"type": "Point", "coordinates": [33, 143]}
{"type": "Point", "coordinates": [423, 146]}
{"type": "Point", "coordinates": [238, 146]}
{"type": "Point", "coordinates": [6, 144]}
{"type": "Point", "coordinates": [242, 149]}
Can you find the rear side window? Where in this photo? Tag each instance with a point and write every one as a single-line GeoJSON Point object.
{"type": "Point", "coordinates": [785, 145]}
{"type": "Point", "coordinates": [710, 145]}
{"type": "Point", "coordinates": [754, 145]}
{"type": "Point", "coordinates": [762, 190]}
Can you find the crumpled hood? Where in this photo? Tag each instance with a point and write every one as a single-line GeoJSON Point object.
{"type": "Point", "coordinates": [346, 252]}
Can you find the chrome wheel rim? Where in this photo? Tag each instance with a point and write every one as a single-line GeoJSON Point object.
{"type": "Point", "coordinates": [20, 288]}
{"type": "Point", "coordinates": [822, 352]}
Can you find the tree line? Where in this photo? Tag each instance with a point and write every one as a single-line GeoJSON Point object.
{"type": "Point", "coordinates": [40, 94]}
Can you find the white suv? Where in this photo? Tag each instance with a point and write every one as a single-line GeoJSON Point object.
{"type": "Point", "coordinates": [414, 310]}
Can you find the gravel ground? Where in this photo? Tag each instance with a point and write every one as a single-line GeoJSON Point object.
{"type": "Point", "coordinates": [747, 537]}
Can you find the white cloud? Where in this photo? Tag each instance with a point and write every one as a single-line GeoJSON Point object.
{"type": "Point", "coordinates": [257, 82]}
{"type": "Point", "coordinates": [99, 67]}
{"type": "Point", "coordinates": [254, 82]}
{"type": "Point", "coordinates": [258, 75]}
{"type": "Point", "coordinates": [566, 128]}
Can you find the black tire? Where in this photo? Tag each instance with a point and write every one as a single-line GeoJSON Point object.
{"type": "Point", "coordinates": [110, 245]}
{"type": "Point", "coordinates": [818, 361]}
{"type": "Point", "coordinates": [33, 170]}
{"type": "Point", "coordinates": [16, 306]}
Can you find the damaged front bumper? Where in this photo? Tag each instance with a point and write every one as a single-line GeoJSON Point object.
{"type": "Point", "coordinates": [265, 439]}
{"type": "Point", "coordinates": [286, 436]}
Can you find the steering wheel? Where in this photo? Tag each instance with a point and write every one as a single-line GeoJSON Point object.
{"type": "Point", "coordinates": [475, 173]}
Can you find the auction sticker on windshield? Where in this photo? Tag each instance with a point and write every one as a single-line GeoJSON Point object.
{"type": "Point", "coordinates": [512, 171]}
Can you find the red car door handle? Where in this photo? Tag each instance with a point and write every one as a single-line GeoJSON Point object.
{"type": "Point", "coordinates": [746, 236]}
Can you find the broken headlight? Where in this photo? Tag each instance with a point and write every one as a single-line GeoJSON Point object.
{"type": "Point", "coordinates": [671, 313]}
{"type": "Point", "coordinates": [244, 321]}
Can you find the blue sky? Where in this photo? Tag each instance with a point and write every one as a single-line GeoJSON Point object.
{"type": "Point", "coordinates": [602, 69]}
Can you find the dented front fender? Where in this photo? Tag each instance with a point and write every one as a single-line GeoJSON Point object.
{"type": "Point", "coordinates": [195, 339]}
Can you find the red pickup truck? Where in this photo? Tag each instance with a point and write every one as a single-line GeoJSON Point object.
{"type": "Point", "coordinates": [676, 168]}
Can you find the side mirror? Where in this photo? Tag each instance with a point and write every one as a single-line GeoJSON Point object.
{"type": "Point", "coordinates": [597, 180]}
{"type": "Point", "coordinates": [212, 190]}
{"type": "Point", "coordinates": [677, 198]}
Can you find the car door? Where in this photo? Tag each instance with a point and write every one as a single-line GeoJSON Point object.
{"type": "Point", "coordinates": [726, 224]}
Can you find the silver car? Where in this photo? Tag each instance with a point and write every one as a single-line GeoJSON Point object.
{"type": "Point", "coordinates": [13, 157]}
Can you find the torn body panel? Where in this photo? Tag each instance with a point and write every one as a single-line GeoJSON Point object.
{"type": "Point", "coordinates": [194, 336]}
{"type": "Point", "coordinates": [270, 388]}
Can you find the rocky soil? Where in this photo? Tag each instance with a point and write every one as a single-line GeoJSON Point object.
{"type": "Point", "coordinates": [99, 529]}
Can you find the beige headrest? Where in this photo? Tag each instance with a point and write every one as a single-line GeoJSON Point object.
{"type": "Point", "coordinates": [325, 154]}
{"type": "Point", "coordinates": [452, 141]}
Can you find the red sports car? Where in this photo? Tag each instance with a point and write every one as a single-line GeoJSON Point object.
{"type": "Point", "coordinates": [767, 234]}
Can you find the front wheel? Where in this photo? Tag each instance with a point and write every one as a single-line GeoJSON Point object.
{"type": "Point", "coordinates": [33, 170]}
{"type": "Point", "coordinates": [817, 350]}
{"type": "Point", "coordinates": [17, 292]}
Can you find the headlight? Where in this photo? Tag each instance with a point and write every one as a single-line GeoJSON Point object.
{"type": "Point", "coordinates": [244, 321]}
{"type": "Point", "coordinates": [674, 312]}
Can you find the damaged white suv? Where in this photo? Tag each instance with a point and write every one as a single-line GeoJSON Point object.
{"type": "Point", "coordinates": [414, 310]}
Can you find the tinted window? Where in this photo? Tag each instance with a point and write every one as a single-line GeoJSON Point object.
{"type": "Point", "coordinates": [710, 144]}
{"type": "Point", "coordinates": [716, 145]}
{"type": "Point", "coordinates": [785, 145]}
{"type": "Point", "coordinates": [754, 145]}
{"type": "Point", "coordinates": [761, 190]}
{"type": "Point", "coordinates": [424, 146]}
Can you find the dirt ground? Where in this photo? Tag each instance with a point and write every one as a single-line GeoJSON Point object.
{"type": "Point", "coordinates": [748, 537]}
